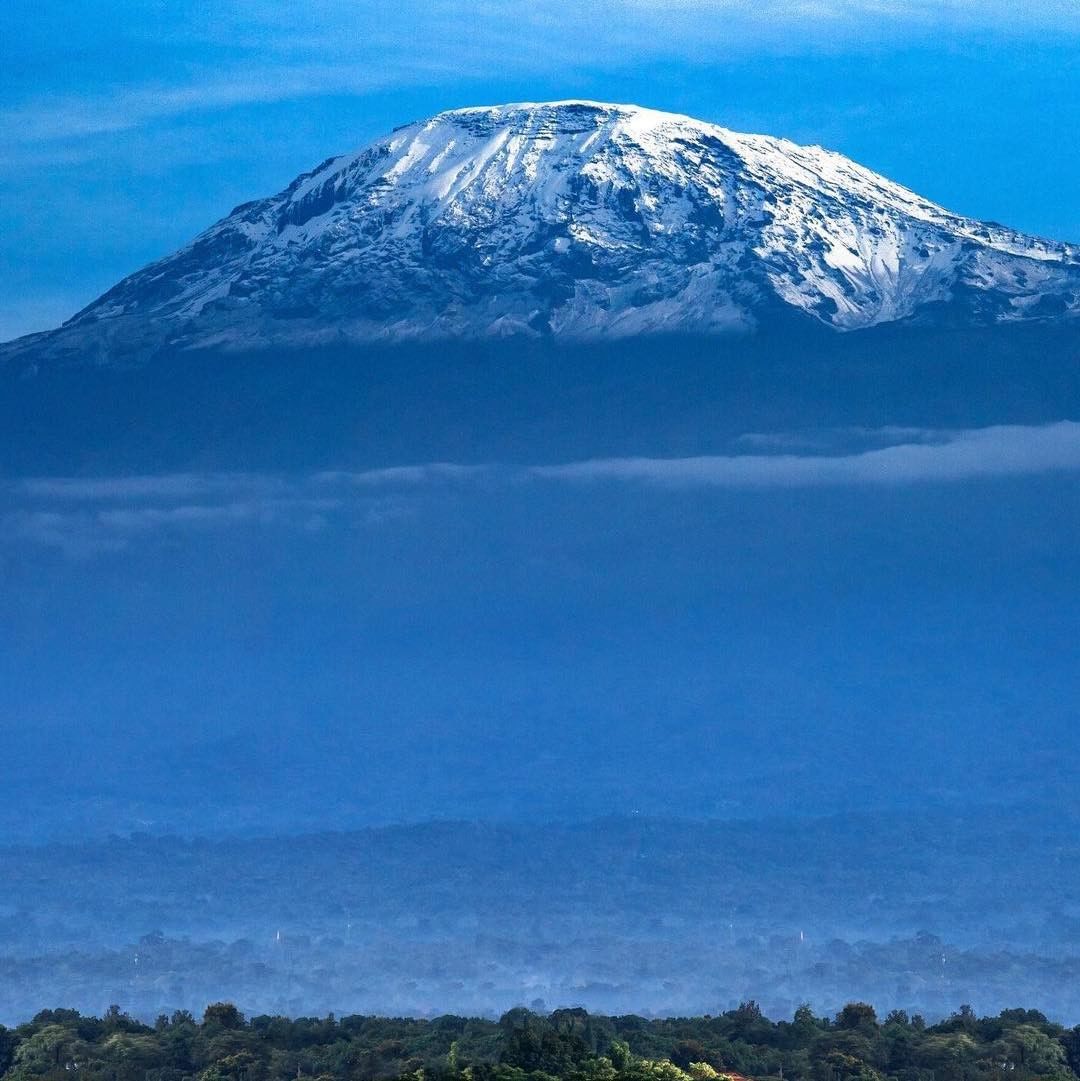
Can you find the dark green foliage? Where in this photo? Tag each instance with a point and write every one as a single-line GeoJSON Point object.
{"type": "Point", "coordinates": [7, 1048]}
{"type": "Point", "coordinates": [567, 1045]}
{"type": "Point", "coordinates": [224, 1015]}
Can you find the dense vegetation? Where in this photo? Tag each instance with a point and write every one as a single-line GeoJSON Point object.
{"type": "Point", "coordinates": [568, 1044]}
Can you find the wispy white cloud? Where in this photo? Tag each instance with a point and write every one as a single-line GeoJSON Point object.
{"type": "Point", "coordinates": [403, 475]}
{"type": "Point", "coordinates": [84, 516]}
{"type": "Point", "coordinates": [75, 535]}
{"type": "Point", "coordinates": [1047, 13]}
{"type": "Point", "coordinates": [207, 516]}
{"type": "Point", "coordinates": [164, 487]}
{"type": "Point", "coordinates": [286, 52]}
{"type": "Point", "coordinates": [1006, 450]}
{"type": "Point", "coordinates": [79, 116]}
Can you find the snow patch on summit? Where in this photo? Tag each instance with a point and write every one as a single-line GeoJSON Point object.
{"type": "Point", "coordinates": [585, 220]}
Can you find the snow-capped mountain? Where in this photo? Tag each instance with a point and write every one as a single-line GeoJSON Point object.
{"type": "Point", "coordinates": [581, 220]}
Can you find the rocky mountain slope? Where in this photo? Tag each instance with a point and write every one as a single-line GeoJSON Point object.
{"type": "Point", "coordinates": [580, 220]}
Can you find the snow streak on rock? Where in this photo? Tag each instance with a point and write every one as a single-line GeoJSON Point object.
{"type": "Point", "coordinates": [582, 220]}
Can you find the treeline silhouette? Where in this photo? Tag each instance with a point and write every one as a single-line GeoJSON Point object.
{"type": "Point", "coordinates": [569, 1045]}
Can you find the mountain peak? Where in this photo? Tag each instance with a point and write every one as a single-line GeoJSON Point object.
{"type": "Point", "coordinates": [568, 111]}
{"type": "Point", "coordinates": [581, 219]}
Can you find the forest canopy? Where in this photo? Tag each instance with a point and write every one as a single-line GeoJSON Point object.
{"type": "Point", "coordinates": [568, 1045]}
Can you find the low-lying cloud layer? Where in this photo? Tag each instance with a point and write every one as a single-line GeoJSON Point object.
{"type": "Point", "coordinates": [954, 456]}
{"type": "Point", "coordinates": [81, 516]}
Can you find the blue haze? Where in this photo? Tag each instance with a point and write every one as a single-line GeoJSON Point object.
{"type": "Point", "coordinates": [211, 637]}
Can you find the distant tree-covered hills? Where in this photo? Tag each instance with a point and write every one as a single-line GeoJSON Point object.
{"type": "Point", "coordinates": [914, 912]}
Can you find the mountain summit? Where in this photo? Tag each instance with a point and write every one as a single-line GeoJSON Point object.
{"type": "Point", "coordinates": [581, 220]}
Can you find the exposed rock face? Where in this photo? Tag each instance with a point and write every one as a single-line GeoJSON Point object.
{"type": "Point", "coordinates": [580, 220]}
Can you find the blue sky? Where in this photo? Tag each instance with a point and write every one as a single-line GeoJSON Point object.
{"type": "Point", "coordinates": [126, 126]}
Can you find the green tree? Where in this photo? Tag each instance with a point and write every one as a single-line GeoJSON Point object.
{"type": "Point", "coordinates": [54, 1051]}
{"type": "Point", "coordinates": [1027, 1049]}
{"type": "Point", "coordinates": [857, 1016]}
{"type": "Point", "coordinates": [223, 1014]}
